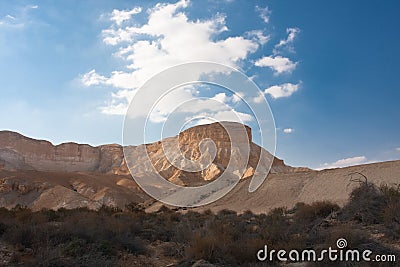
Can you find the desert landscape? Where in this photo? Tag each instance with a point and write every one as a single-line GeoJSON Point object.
{"type": "Point", "coordinates": [37, 174]}
{"type": "Point", "coordinates": [77, 182]}
{"type": "Point", "coordinates": [199, 133]}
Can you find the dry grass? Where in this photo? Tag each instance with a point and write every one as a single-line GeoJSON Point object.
{"type": "Point", "coordinates": [83, 237]}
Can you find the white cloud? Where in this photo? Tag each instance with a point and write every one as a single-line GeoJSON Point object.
{"type": "Point", "coordinates": [119, 16]}
{"type": "Point", "coordinates": [277, 91]}
{"type": "Point", "coordinates": [227, 115]}
{"type": "Point", "coordinates": [258, 36]}
{"type": "Point", "coordinates": [264, 13]}
{"type": "Point", "coordinates": [237, 97]}
{"type": "Point", "coordinates": [283, 90]}
{"type": "Point", "coordinates": [157, 44]}
{"type": "Point", "coordinates": [346, 162]}
{"type": "Point", "coordinates": [10, 21]}
{"type": "Point", "coordinates": [288, 130]}
{"type": "Point", "coordinates": [92, 78]}
{"type": "Point", "coordinates": [288, 42]}
{"type": "Point", "coordinates": [278, 64]}
{"type": "Point", "coordinates": [182, 101]}
{"type": "Point", "coordinates": [10, 17]}
{"type": "Point", "coordinates": [398, 149]}
{"type": "Point", "coordinates": [20, 20]}
{"type": "Point", "coordinates": [259, 99]}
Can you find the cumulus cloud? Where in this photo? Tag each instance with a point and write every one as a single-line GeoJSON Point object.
{"type": "Point", "coordinates": [288, 42]}
{"type": "Point", "coordinates": [119, 16]}
{"type": "Point", "coordinates": [260, 98]}
{"type": "Point", "coordinates": [288, 130]}
{"type": "Point", "coordinates": [167, 38]}
{"type": "Point", "coordinates": [218, 107]}
{"type": "Point", "coordinates": [277, 91]}
{"type": "Point", "coordinates": [283, 90]}
{"type": "Point", "coordinates": [346, 162]}
{"type": "Point", "coordinates": [264, 13]}
{"type": "Point", "coordinates": [92, 78]}
{"type": "Point", "coordinates": [258, 36]}
{"type": "Point", "coordinates": [278, 64]}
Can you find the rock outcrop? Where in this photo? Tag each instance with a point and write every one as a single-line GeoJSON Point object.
{"type": "Point", "coordinates": [18, 152]}
{"type": "Point", "coordinates": [38, 175]}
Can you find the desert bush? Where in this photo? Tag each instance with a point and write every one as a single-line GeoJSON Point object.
{"type": "Point", "coordinates": [131, 244]}
{"type": "Point", "coordinates": [391, 218]}
{"type": "Point", "coordinates": [108, 210]}
{"type": "Point", "coordinates": [366, 205]}
{"type": "Point", "coordinates": [212, 247]}
{"type": "Point", "coordinates": [134, 207]}
{"type": "Point", "coordinates": [391, 213]}
{"type": "Point", "coordinates": [75, 248]}
{"type": "Point", "coordinates": [308, 222]}
{"type": "Point", "coordinates": [20, 234]}
{"type": "Point", "coordinates": [274, 229]}
{"type": "Point", "coordinates": [50, 215]}
{"type": "Point", "coordinates": [4, 213]}
{"type": "Point", "coordinates": [84, 237]}
{"type": "Point", "coordinates": [245, 250]}
{"type": "Point", "coordinates": [317, 210]}
{"type": "Point", "coordinates": [173, 249]}
{"type": "Point", "coordinates": [355, 237]}
{"type": "Point", "coordinates": [392, 193]}
{"type": "Point", "coordinates": [3, 228]}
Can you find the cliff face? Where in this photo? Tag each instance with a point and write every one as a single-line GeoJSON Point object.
{"type": "Point", "coordinates": [40, 175]}
{"type": "Point", "coordinates": [18, 152]}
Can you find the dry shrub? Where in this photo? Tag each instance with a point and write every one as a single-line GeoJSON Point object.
{"type": "Point", "coordinates": [366, 205]}
{"type": "Point", "coordinates": [391, 214]}
{"type": "Point", "coordinates": [316, 210]}
{"type": "Point", "coordinates": [203, 247]}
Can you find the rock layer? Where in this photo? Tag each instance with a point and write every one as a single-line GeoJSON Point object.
{"type": "Point", "coordinates": [18, 152]}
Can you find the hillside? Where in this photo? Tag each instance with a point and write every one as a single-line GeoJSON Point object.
{"type": "Point", "coordinates": [38, 174]}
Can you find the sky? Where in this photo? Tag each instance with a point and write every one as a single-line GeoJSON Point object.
{"type": "Point", "coordinates": [328, 69]}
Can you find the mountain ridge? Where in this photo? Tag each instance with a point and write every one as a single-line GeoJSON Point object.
{"type": "Point", "coordinates": [67, 178]}
{"type": "Point", "coordinates": [42, 155]}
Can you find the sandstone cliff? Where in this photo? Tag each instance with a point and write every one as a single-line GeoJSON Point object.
{"type": "Point", "coordinates": [40, 175]}
{"type": "Point", "coordinates": [18, 152]}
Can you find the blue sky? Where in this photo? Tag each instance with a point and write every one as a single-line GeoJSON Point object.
{"type": "Point", "coordinates": [329, 69]}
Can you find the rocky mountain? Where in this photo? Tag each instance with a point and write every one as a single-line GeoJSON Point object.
{"type": "Point", "coordinates": [18, 152]}
{"type": "Point", "coordinates": [38, 174]}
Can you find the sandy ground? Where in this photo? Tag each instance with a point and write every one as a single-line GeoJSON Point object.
{"type": "Point", "coordinates": [54, 190]}
{"type": "Point", "coordinates": [285, 190]}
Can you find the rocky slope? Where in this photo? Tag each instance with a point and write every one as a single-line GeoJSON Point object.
{"type": "Point", "coordinates": [37, 174]}
{"type": "Point", "coordinates": [18, 152]}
